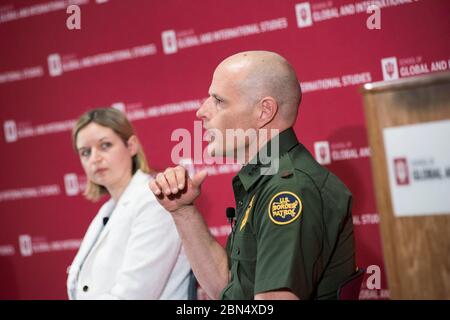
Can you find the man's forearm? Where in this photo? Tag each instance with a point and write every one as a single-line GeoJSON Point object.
{"type": "Point", "coordinates": [207, 257]}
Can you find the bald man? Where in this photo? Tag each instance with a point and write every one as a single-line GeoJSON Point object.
{"type": "Point", "coordinates": [293, 234]}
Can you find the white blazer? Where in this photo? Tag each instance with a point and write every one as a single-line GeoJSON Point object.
{"type": "Point", "coordinates": [137, 255]}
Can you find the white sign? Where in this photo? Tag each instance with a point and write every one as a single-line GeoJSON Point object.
{"type": "Point", "coordinates": [418, 161]}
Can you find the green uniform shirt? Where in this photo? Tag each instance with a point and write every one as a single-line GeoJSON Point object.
{"type": "Point", "coordinates": [293, 228]}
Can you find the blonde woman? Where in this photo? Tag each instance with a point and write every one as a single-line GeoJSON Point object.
{"type": "Point", "coordinates": [132, 249]}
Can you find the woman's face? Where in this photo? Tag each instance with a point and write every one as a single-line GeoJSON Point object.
{"type": "Point", "coordinates": [105, 158]}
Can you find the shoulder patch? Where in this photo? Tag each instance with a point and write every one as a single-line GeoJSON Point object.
{"type": "Point", "coordinates": [285, 207]}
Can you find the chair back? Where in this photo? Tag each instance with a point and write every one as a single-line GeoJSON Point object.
{"type": "Point", "coordinates": [349, 290]}
{"type": "Point", "coordinates": [192, 288]}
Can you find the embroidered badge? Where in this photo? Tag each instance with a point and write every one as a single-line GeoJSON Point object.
{"type": "Point", "coordinates": [285, 207]}
{"type": "Point", "coordinates": [247, 213]}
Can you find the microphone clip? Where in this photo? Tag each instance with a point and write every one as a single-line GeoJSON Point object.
{"type": "Point", "coordinates": [231, 215]}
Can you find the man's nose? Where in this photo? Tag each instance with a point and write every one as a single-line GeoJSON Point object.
{"type": "Point", "coordinates": [201, 112]}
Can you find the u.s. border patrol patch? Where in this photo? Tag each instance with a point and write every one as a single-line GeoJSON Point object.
{"type": "Point", "coordinates": [285, 207]}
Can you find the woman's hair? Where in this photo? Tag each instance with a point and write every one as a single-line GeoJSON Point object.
{"type": "Point", "coordinates": [117, 121]}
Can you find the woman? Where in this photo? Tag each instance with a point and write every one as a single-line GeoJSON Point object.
{"type": "Point", "coordinates": [131, 249]}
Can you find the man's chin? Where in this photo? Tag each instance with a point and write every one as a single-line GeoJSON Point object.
{"type": "Point", "coordinates": [211, 151]}
{"type": "Point", "coordinates": [217, 152]}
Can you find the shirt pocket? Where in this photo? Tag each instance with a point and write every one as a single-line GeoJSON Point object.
{"type": "Point", "coordinates": [243, 258]}
{"type": "Point", "coordinates": [244, 248]}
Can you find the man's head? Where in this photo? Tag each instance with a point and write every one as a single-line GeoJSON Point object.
{"type": "Point", "coordinates": [250, 90]}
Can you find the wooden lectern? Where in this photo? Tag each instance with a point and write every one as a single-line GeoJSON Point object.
{"type": "Point", "coordinates": [415, 229]}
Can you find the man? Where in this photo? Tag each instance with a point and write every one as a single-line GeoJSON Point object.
{"type": "Point", "coordinates": [293, 237]}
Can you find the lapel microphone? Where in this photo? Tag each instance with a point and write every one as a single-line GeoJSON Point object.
{"type": "Point", "coordinates": [105, 220]}
{"type": "Point", "coordinates": [231, 213]}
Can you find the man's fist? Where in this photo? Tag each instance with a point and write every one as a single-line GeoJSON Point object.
{"type": "Point", "coordinates": [174, 188]}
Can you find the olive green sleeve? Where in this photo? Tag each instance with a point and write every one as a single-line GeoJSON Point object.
{"type": "Point", "coordinates": [289, 249]}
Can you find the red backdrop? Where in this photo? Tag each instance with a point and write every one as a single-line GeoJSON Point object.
{"type": "Point", "coordinates": [154, 59]}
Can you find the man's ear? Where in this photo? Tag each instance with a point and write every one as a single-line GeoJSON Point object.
{"type": "Point", "coordinates": [133, 145]}
{"type": "Point", "coordinates": [267, 110]}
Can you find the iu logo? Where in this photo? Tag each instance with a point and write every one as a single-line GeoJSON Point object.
{"type": "Point", "coordinates": [390, 69]}
{"type": "Point", "coordinates": [26, 248]}
{"type": "Point", "coordinates": [71, 184]}
{"type": "Point", "coordinates": [119, 106]}
{"type": "Point", "coordinates": [54, 65]}
{"type": "Point", "coordinates": [401, 171]}
{"type": "Point", "coordinates": [303, 13]}
{"type": "Point", "coordinates": [10, 130]}
{"type": "Point", "coordinates": [322, 152]}
{"type": "Point", "coordinates": [169, 41]}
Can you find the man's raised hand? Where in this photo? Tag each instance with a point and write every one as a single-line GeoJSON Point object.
{"type": "Point", "coordinates": [174, 189]}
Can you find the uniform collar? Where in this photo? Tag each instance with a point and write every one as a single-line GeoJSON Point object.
{"type": "Point", "coordinates": [250, 173]}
